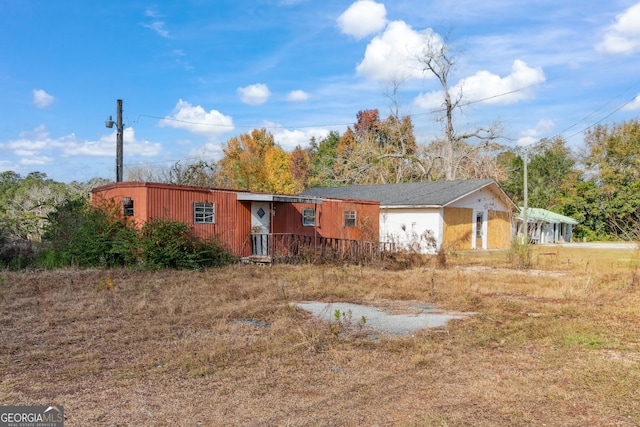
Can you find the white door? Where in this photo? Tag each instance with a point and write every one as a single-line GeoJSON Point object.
{"type": "Point", "coordinates": [260, 227]}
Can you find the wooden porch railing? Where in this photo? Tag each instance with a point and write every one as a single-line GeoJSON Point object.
{"type": "Point", "coordinates": [292, 248]}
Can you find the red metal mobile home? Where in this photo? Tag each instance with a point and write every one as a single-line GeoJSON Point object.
{"type": "Point", "coordinates": [246, 223]}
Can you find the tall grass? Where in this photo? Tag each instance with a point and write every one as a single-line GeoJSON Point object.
{"type": "Point", "coordinates": [557, 344]}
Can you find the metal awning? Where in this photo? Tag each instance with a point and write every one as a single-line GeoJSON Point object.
{"type": "Point", "coordinates": [538, 214]}
{"type": "Point", "coordinates": [260, 197]}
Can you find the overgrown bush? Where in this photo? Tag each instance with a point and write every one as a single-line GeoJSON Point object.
{"type": "Point", "coordinates": [80, 234]}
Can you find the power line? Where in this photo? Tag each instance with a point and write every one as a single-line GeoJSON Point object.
{"type": "Point", "coordinates": [605, 117]}
{"type": "Point", "coordinates": [432, 111]}
{"type": "Point", "coordinates": [596, 111]}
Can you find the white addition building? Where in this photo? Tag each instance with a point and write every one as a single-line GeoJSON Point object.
{"type": "Point", "coordinates": [426, 216]}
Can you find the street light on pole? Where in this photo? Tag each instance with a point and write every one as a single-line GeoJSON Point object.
{"type": "Point", "coordinates": [119, 139]}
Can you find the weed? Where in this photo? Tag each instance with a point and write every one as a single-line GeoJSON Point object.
{"type": "Point", "coordinates": [519, 255]}
{"type": "Point", "coordinates": [285, 298]}
{"type": "Point", "coordinates": [590, 341]}
{"type": "Point", "coordinates": [106, 284]}
{"type": "Point", "coordinates": [362, 322]}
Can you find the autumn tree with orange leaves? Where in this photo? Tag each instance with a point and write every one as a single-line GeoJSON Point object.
{"type": "Point", "coordinates": [378, 151]}
{"type": "Point", "coordinates": [253, 161]}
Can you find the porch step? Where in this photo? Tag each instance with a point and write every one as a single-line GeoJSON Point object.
{"type": "Point", "coordinates": [259, 259]}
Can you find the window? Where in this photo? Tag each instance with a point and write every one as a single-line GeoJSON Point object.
{"type": "Point", "coordinates": [308, 217]}
{"type": "Point", "coordinates": [349, 218]}
{"type": "Point", "coordinates": [204, 213]}
{"type": "Point", "coordinates": [127, 206]}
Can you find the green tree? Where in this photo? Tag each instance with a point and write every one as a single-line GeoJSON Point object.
{"type": "Point", "coordinates": [612, 163]}
{"type": "Point", "coordinates": [26, 202]}
{"type": "Point", "coordinates": [551, 172]}
{"type": "Point", "coordinates": [323, 157]}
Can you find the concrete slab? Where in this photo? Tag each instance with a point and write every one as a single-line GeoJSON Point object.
{"type": "Point", "coordinates": [419, 317]}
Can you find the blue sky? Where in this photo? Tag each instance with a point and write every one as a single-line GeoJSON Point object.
{"type": "Point", "coordinates": [194, 73]}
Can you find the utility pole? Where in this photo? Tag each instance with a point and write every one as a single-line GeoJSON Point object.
{"type": "Point", "coordinates": [119, 142]}
{"type": "Point", "coordinates": [526, 199]}
{"type": "Point", "coordinates": [119, 135]}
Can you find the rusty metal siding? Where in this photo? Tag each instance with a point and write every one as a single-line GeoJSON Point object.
{"type": "Point", "coordinates": [330, 221]}
{"type": "Point", "coordinates": [233, 218]}
{"type": "Point", "coordinates": [112, 195]}
{"type": "Point", "coordinates": [162, 201]}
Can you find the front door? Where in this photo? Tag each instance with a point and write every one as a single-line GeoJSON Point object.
{"type": "Point", "coordinates": [479, 230]}
{"type": "Point", "coordinates": [260, 227]}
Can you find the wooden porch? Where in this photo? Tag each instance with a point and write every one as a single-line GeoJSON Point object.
{"type": "Point", "coordinates": [268, 248]}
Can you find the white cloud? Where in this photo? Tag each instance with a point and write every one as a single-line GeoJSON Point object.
{"type": "Point", "coordinates": [36, 146]}
{"type": "Point", "coordinates": [489, 88]}
{"type": "Point", "coordinates": [210, 150]}
{"type": "Point", "coordinates": [531, 136]}
{"type": "Point", "coordinates": [158, 27]}
{"type": "Point", "coordinates": [624, 35]}
{"type": "Point", "coordinates": [363, 18]}
{"type": "Point", "coordinates": [254, 94]}
{"type": "Point", "coordinates": [393, 54]}
{"type": "Point", "coordinates": [152, 13]}
{"type": "Point", "coordinates": [42, 99]}
{"type": "Point", "coordinates": [106, 146]}
{"type": "Point", "coordinates": [196, 120]}
{"type": "Point", "coordinates": [290, 139]}
{"type": "Point", "coordinates": [297, 95]}
{"type": "Point", "coordinates": [36, 161]}
{"type": "Point", "coordinates": [633, 105]}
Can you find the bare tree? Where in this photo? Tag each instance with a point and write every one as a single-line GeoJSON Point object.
{"type": "Point", "coordinates": [198, 173]}
{"type": "Point", "coordinates": [455, 152]}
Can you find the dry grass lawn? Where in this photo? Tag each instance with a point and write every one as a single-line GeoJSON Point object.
{"type": "Point", "coordinates": [554, 345]}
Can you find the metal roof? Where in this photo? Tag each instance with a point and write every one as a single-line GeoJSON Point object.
{"type": "Point", "coordinates": [539, 214]}
{"type": "Point", "coordinates": [413, 194]}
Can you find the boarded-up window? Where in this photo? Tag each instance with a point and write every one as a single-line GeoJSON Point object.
{"type": "Point", "coordinates": [458, 228]}
{"type": "Point", "coordinates": [499, 234]}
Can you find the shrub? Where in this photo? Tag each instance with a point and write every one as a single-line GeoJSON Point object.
{"type": "Point", "coordinates": [167, 244]}
{"type": "Point", "coordinates": [82, 235]}
{"type": "Point", "coordinates": [519, 255]}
